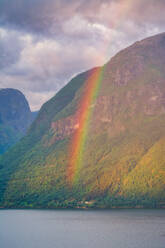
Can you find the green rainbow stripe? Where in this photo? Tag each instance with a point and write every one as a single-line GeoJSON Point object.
{"type": "Point", "coordinates": [83, 116]}
{"type": "Point", "coordinates": [85, 110]}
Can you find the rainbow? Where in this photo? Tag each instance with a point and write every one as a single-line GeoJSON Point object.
{"type": "Point", "coordinates": [85, 109]}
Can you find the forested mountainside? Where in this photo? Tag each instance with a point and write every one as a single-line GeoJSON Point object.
{"type": "Point", "coordinates": [119, 160]}
{"type": "Point", "coordinates": [15, 117]}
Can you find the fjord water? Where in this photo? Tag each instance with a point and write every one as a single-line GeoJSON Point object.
{"type": "Point", "coordinates": [82, 228]}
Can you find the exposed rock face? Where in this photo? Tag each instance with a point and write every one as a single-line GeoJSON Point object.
{"type": "Point", "coordinates": [122, 161]}
{"type": "Point", "coordinates": [15, 117]}
{"type": "Point", "coordinates": [64, 127]}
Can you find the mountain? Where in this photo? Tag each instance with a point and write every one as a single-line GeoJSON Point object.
{"type": "Point", "coordinates": [15, 117]}
{"type": "Point", "coordinates": [99, 142]}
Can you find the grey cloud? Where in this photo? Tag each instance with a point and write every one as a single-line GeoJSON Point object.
{"type": "Point", "coordinates": [46, 65]}
{"type": "Point", "coordinates": [35, 15]}
{"type": "Point", "coordinates": [10, 48]}
{"type": "Point", "coordinates": [49, 41]}
{"type": "Point", "coordinates": [46, 17]}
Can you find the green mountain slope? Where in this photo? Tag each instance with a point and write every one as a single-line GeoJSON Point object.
{"type": "Point", "coordinates": [123, 160]}
{"type": "Point", "coordinates": [148, 177]}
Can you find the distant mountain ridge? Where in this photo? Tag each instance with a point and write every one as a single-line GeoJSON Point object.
{"type": "Point", "coordinates": [15, 117]}
{"type": "Point", "coordinates": [124, 156]}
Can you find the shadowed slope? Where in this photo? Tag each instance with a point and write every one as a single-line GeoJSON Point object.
{"type": "Point", "coordinates": [15, 117]}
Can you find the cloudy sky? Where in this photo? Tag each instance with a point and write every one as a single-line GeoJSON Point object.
{"type": "Point", "coordinates": [44, 43]}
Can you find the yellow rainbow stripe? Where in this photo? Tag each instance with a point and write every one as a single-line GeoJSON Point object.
{"type": "Point", "coordinates": [85, 109]}
{"type": "Point", "coordinates": [92, 86]}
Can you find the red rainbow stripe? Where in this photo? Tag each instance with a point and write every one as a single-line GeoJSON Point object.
{"type": "Point", "coordinates": [92, 86]}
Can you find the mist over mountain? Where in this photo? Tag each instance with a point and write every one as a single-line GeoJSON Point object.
{"type": "Point", "coordinates": [123, 161]}
{"type": "Point", "coordinates": [15, 117]}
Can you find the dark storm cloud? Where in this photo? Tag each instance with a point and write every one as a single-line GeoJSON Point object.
{"type": "Point", "coordinates": [35, 15]}
{"type": "Point", "coordinates": [43, 43]}
{"type": "Point", "coordinates": [48, 16]}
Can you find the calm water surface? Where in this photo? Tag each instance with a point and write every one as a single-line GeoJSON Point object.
{"type": "Point", "coordinates": [82, 229]}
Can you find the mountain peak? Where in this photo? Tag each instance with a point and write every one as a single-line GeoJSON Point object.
{"type": "Point", "coordinates": [15, 117]}
{"type": "Point", "coordinates": [105, 129]}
